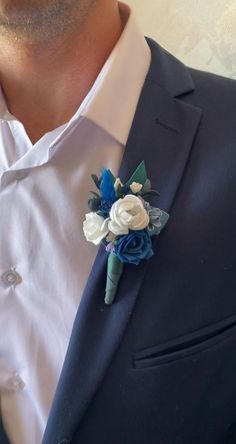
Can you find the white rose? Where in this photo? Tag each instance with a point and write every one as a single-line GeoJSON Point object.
{"type": "Point", "coordinates": [135, 187]}
{"type": "Point", "coordinates": [128, 214]}
{"type": "Point", "coordinates": [95, 227]}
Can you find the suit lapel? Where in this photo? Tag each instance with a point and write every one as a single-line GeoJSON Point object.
{"type": "Point", "coordinates": [162, 134]}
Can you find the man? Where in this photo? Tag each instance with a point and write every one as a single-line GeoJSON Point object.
{"type": "Point", "coordinates": [82, 89]}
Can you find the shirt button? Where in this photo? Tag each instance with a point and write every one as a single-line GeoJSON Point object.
{"type": "Point", "coordinates": [11, 277]}
{"type": "Point", "coordinates": [15, 383]}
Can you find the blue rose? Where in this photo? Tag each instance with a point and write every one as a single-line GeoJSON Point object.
{"type": "Point", "coordinates": [134, 247]}
{"type": "Point", "coordinates": [105, 208]}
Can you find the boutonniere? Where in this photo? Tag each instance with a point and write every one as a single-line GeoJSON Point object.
{"type": "Point", "coordinates": [123, 220]}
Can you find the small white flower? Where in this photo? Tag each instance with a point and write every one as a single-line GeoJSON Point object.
{"type": "Point", "coordinates": [135, 187]}
{"type": "Point", "coordinates": [117, 183]}
{"type": "Point", "coordinates": [127, 214]}
{"type": "Point", "coordinates": [95, 227]}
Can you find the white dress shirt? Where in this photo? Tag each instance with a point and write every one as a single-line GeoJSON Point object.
{"type": "Point", "coordinates": [45, 259]}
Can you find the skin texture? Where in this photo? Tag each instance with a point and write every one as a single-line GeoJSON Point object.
{"type": "Point", "coordinates": [40, 20]}
{"type": "Point", "coordinates": [51, 52]}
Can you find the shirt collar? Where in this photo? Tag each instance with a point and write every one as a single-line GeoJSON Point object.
{"type": "Point", "coordinates": [115, 93]}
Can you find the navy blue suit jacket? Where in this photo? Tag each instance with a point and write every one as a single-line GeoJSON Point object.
{"type": "Point", "coordinates": [159, 365]}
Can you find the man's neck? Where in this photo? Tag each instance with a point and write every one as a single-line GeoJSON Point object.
{"type": "Point", "coordinates": [45, 84]}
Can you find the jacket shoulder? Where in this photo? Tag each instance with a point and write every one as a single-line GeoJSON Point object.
{"type": "Point", "coordinates": [202, 78]}
{"type": "Point", "coordinates": [213, 91]}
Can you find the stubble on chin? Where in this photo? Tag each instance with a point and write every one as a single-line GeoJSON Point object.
{"type": "Point", "coordinates": [40, 21]}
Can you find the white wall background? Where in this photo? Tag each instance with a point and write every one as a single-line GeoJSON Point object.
{"type": "Point", "coordinates": [201, 33]}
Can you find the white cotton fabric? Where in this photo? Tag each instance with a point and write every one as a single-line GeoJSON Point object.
{"type": "Point", "coordinates": [44, 190]}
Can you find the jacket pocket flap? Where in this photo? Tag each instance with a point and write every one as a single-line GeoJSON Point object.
{"type": "Point", "coordinates": [185, 345]}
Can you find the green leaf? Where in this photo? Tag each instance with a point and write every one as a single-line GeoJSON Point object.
{"type": "Point", "coordinates": [146, 186]}
{"type": "Point", "coordinates": [94, 204]}
{"type": "Point", "coordinates": [113, 178]}
{"type": "Point", "coordinates": [96, 180]}
{"type": "Point", "coordinates": [150, 193]}
{"type": "Point", "coordinates": [96, 195]}
{"type": "Point", "coordinates": [119, 191]}
{"type": "Point", "coordinates": [153, 193]}
{"type": "Point", "coordinates": [139, 176]}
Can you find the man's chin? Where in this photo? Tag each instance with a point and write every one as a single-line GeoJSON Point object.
{"type": "Point", "coordinates": [38, 21]}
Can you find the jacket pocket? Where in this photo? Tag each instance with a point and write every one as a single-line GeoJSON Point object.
{"type": "Point", "coordinates": [185, 346]}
